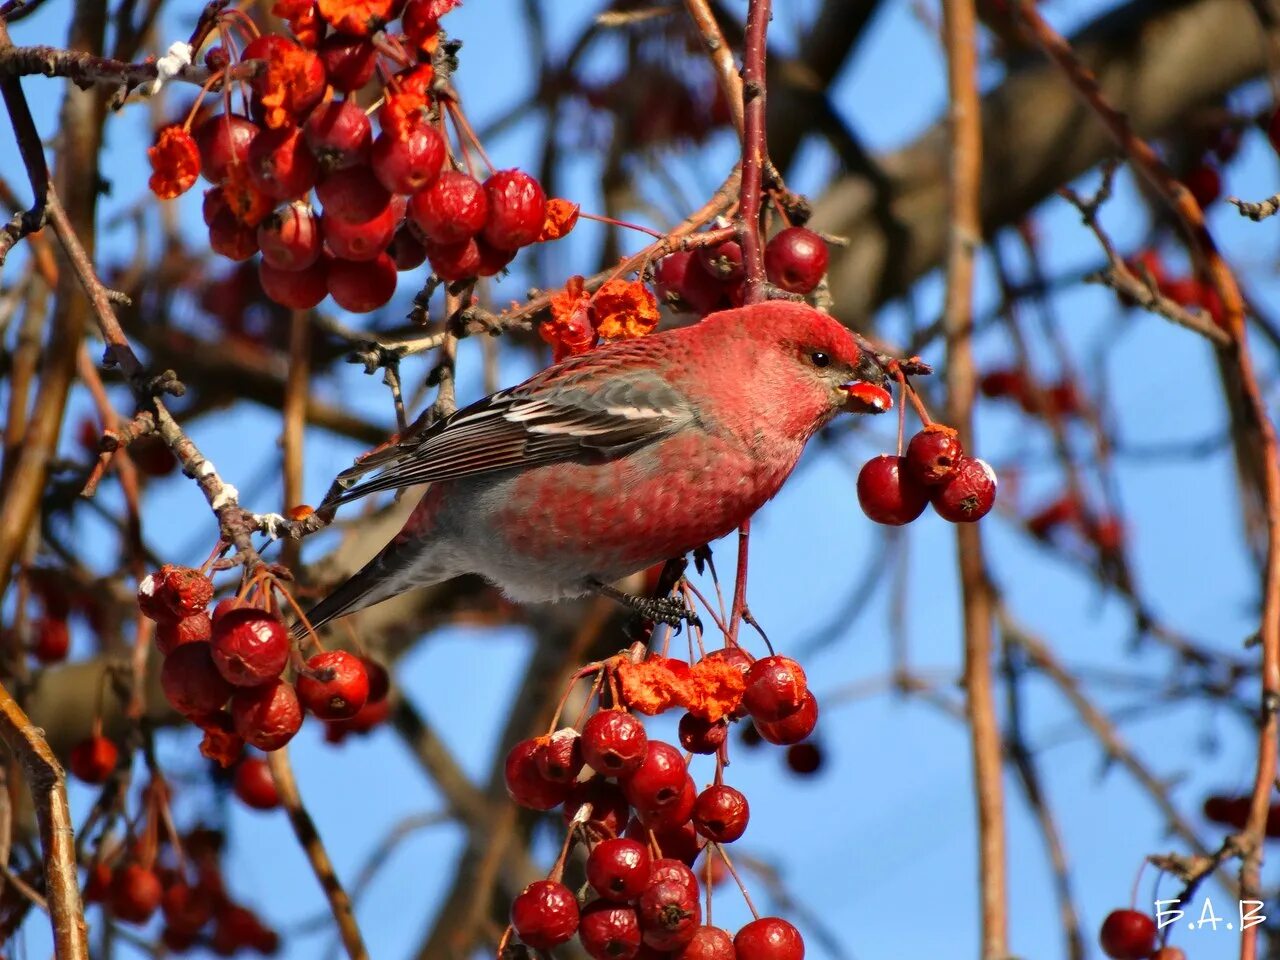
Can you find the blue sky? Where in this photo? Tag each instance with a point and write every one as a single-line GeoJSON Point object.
{"type": "Point", "coordinates": [880, 845]}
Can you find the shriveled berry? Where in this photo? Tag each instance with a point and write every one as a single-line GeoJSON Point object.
{"type": "Point", "coordinates": [362, 286]}
{"type": "Point", "coordinates": [614, 743]}
{"type": "Point", "coordinates": [193, 629]}
{"type": "Point", "coordinates": [295, 289]}
{"type": "Point", "coordinates": [933, 454]}
{"type": "Point", "coordinates": [721, 813]}
{"type": "Point", "coordinates": [559, 756]}
{"type": "Point", "coordinates": [267, 717]}
{"type": "Point", "coordinates": [609, 805]}
{"type": "Point", "coordinates": [1127, 935]}
{"type": "Point", "coordinates": [339, 696]}
{"type": "Point", "coordinates": [769, 938]}
{"type": "Point", "coordinates": [250, 646]}
{"type": "Point", "coordinates": [192, 684]}
{"type": "Point", "coordinates": [348, 61]}
{"type": "Point", "coordinates": [708, 943]}
{"type": "Point", "coordinates": [658, 781]}
{"type": "Point", "coordinates": [792, 728]}
{"type": "Point", "coordinates": [969, 494]}
{"type": "Point", "coordinates": [804, 758]}
{"type": "Point", "coordinates": [455, 261]}
{"type": "Point", "coordinates": [517, 209]}
{"type": "Point", "coordinates": [669, 913]}
{"type": "Point", "coordinates": [52, 641]}
{"type": "Point", "coordinates": [174, 592]}
{"type": "Point", "coordinates": [723, 262]}
{"type": "Point", "coordinates": [702, 736]}
{"type": "Point", "coordinates": [339, 135]}
{"type": "Point", "coordinates": [796, 259]}
{"type": "Point", "coordinates": [525, 783]}
{"type": "Point", "coordinates": [618, 869]}
{"type": "Point", "coordinates": [135, 893]}
{"type": "Point", "coordinates": [776, 687]}
{"type": "Point", "coordinates": [223, 140]}
{"type": "Point", "coordinates": [353, 194]}
{"type": "Point", "coordinates": [545, 915]}
{"type": "Point", "coordinates": [281, 165]}
{"type": "Point", "coordinates": [254, 784]}
{"type": "Point", "coordinates": [453, 209]}
{"type": "Point", "coordinates": [408, 163]}
{"type": "Point", "coordinates": [290, 238]}
{"type": "Point", "coordinates": [93, 759]}
{"type": "Point", "coordinates": [888, 493]}
{"type": "Point", "coordinates": [685, 287]}
{"type": "Point", "coordinates": [609, 931]}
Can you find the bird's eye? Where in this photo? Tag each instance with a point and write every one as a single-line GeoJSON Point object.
{"type": "Point", "coordinates": [820, 359]}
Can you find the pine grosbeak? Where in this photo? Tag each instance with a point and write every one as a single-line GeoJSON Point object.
{"type": "Point", "coordinates": [611, 461]}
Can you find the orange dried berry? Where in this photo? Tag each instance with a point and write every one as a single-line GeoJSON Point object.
{"type": "Point", "coordinates": [562, 216]}
{"type": "Point", "coordinates": [300, 512]}
{"type": "Point", "coordinates": [421, 22]}
{"type": "Point", "coordinates": [292, 82]}
{"type": "Point", "coordinates": [402, 112]}
{"type": "Point", "coordinates": [624, 310]}
{"type": "Point", "coordinates": [249, 205]}
{"type": "Point", "coordinates": [175, 162]}
{"type": "Point", "coordinates": [358, 18]}
{"type": "Point", "coordinates": [569, 331]}
{"type": "Point", "coordinates": [652, 686]}
{"type": "Point", "coordinates": [714, 689]}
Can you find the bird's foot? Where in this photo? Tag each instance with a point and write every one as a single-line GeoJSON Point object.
{"type": "Point", "coordinates": [669, 610]}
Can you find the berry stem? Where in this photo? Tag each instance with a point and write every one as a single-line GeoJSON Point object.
{"type": "Point", "coordinates": [620, 223]}
{"type": "Point", "coordinates": [737, 879]}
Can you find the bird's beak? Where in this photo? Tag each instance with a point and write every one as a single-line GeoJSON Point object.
{"type": "Point", "coordinates": [867, 393]}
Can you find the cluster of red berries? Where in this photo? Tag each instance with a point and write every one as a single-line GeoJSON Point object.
{"type": "Point", "coordinates": [711, 278]}
{"type": "Point", "coordinates": [1131, 935]}
{"type": "Point", "coordinates": [633, 802]}
{"type": "Point", "coordinates": [224, 671]}
{"type": "Point", "coordinates": [1060, 399]}
{"type": "Point", "coordinates": [935, 469]}
{"type": "Point", "coordinates": [389, 200]}
{"type": "Point", "coordinates": [197, 912]}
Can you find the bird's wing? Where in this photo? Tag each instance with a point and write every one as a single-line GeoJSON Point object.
{"type": "Point", "coordinates": [558, 417]}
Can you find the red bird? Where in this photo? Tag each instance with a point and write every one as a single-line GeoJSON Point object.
{"type": "Point", "coordinates": [613, 460]}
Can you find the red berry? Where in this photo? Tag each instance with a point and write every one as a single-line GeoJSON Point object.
{"type": "Point", "coordinates": [559, 756]}
{"type": "Point", "coordinates": [721, 813]}
{"type": "Point", "coordinates": [702, 736]}
{"type": "Point", "coordinates": [525, 783]}
{"type": "Point", "coordinates": [97, 883]}
{"type": "Point", "coordinates": [339, 135]}
{"type": "Point", "coordinates": [360, 241]}
{"type": "Point", "coordinates": [794, 728]}
{"type": "Point", "coordinates": [609, 805]}
{"type": "Point", "coordinates": [545, 915]}
{"type": "Point", "coordinates": [254, 784]}
{"type": "Point", "coordinates": [408, 163]}
{"type": "Point", "coordinates": [406, 250]}
{"type": "Point", "coordinates": [1273, 131]}
{"type": "Point", "coordinates": [453, 209]}
{"type": "Point", "coordinates": [348, 61]}
{"type": "Point", "coordinates": [250, 646]}
{"type": "Point", "coordinates": [619, 869]}
{"type": "Point", "coordinates": [492, 259]}
{"type": "Point", "coordinates": [372, 715]}
{"type": "Point", "coordinates": [53, 640]}
{"type": "Point", "coordinates": [342, 695]}
{"type": "Point", "coordinates": [673, 815]}
{"type": "Point", "coordinates": [290, 238]}
{"type": "Point", "coordinates": [969, 494]}
{"type": "Point", "coordinates": [796, 259]}
{"type": "Point", "coordinates": [517, 209]}
{"type": "Point", "coordinates": [295, 289]}
{"type": "Point", "coordinates": [659, 780]}
{"type": "Point", "coordinates": [379, 681]}
{"type": "Point", "coordinates": [776, 687]}
{"type": "Point", "coordinates": [609, 931]}
{"type": "Point", "coordinates": [223, 140]}
{"type": "Point", "coordinates": [193, 629]}
{"type": "Point", "coordinates": [186, 908]}
{"type": "Point", "coordinates": [932, 455]}
{"type": "Point", "coordinates": [1205, 184]}
{"type": "Point", "coordinates": [684, 286]}
{"type": "Point", "coordinates": [454, 261]}
{"type": "Point", "coordinates": [266, 717]}
{"type": "Point", "coordinates": [669, 913]}
{"type": "Point", "coordinates": [1127, 935]}
{"type": "Point", "coordinates": [708, 943]}
{"type": "Point", "coordinates": [669, 869]}
{"type": "Point", "coordinates": [804, 758]}
{"type": "Point", "coordinates": [230, 238]}
{"type": "Point", "coordinates": [174, 592]}
{"type": "Point", "coordinates": [135, 893]}
{"type": "Point", "coordinates": [888, 493]}
{"type": "Point", "coordinates": [769, 938]}
{"type": "Point", "coordinates": [93, 759]}
{"type": "Point", "coordinates": [352, 194]}
{"type": "Point", "coordinates": [192, 684]}
{"type": "Point", "coordinates": [1169, 953]}
{"type": "Point", "coordinates": [280, 165]}
{"type": "Point", "coordinates": [723, 262]}
{"type": "Point", "coordinates": [614, 743]}
{"type": "Point", "coordinates": [362, 287]}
